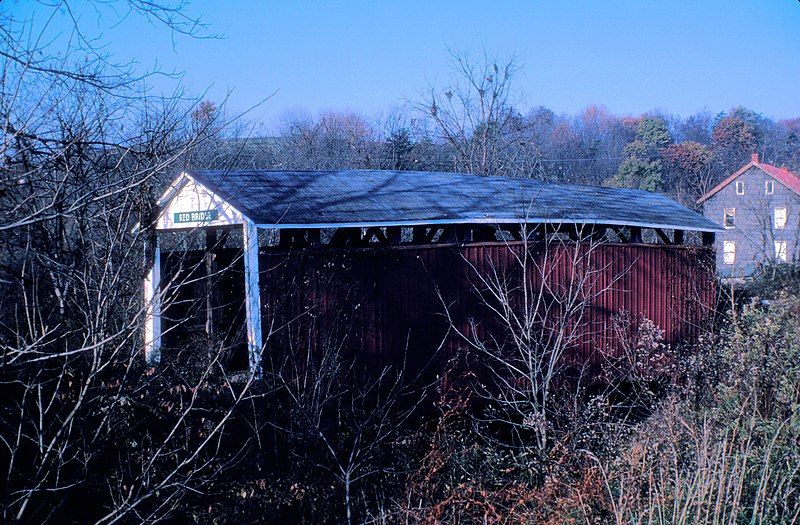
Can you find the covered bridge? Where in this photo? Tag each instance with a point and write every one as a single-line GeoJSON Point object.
{"type": "Point", "coordinates": [381, 254]}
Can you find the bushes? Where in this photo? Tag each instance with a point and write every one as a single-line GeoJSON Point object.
{"type": "Point", "coordinates": [723, 445]}
{"type": "Point", "coordinates": [720, 443]}
{"type": "Point", "coordinates": [728, 454]}
{"type": "Point", "coordinates": [714, 439]}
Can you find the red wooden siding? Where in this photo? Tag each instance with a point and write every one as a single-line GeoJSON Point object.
{"type": "Point", "coordinates": [386, 301]}
{"type": "Point", "coordinates": [386, 304]}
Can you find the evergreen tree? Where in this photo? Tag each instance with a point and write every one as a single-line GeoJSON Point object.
{"type": "Point", "coordinates": [641, 167]}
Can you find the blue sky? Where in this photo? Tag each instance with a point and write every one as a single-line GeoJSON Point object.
{"type": "Point", "coordinates": [631, 56]}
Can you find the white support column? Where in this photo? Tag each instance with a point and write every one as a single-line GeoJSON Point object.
{"type": "Point", "coordinates": [152, 305]}
{"type": "Point", "coordinates": [252, 292]}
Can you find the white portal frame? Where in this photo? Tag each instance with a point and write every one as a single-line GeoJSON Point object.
{"type": "Point", "coordinates": [187, 195]}
{"type": "Point", "coordinates": [152, 305]}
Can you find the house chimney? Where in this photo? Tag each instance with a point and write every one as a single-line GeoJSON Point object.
{"type": "Point", "coordinates": [754, 157]}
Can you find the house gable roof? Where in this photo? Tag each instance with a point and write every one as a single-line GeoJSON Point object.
{"type": "Point", "coordinates": [782, 175]}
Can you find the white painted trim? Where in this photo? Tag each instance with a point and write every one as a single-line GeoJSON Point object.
{"type": "Point", "coordinates": [167, 196]}
{"type": "Point", "coordinates": [152, 305]}
{"type": "Point", "coordinates": [527, 220]}
{"type": "Point", "coordinates": [197, 197]}
{"type": "Point", "coordinates": [252, 292]}
{"type": "Point", "coordinates": [729, 252]}
{"type": "Point", "coordinates": [173, 189]}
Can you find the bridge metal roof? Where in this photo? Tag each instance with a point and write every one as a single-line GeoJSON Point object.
{"type": "Point", "coordinates": [323, 199]}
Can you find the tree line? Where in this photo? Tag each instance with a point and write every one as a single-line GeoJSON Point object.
{"type": "Point", "coordinates": [472, 124]}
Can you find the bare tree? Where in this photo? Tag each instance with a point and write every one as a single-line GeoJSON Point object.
{"type": "Point", "coordinates": [536, 310]}
{"type": "Point", "coordinates": [342, 409]}
{"type": "Point", "coordinates": [475, 114]}
{"type": "Point", "coordinates": [84, 150]}
{"type": "Point", "coordinates": [331, 140]}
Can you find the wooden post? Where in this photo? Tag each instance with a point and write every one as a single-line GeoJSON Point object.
{"type": "Point", "coordinates": [252, 292]}
{"type": "Point", "coordinates": [636, 235]}
{"type": "Point", "coordinates": [313, 237]}
{"type": "Point", "coordinates": [152, 304]}
{"type": "Point", "coordinates": [371, 232]}
{"type": "Point", "coordinates": [514, 230]}
{"type": "Point", "coordinates": [418, 235]}
{"type": "Point", "coordinates": [394, 235]}
{"type": "Point", "coordinates": [708, 238]}
{"type": "Point", "coordinates": [346, 237]}
{"type": "Point", "coordinates": [678, 237]}
{"type": "Point", "coordinates": [211, 270]}
{"type": "Point", "coordinates": [463, 233]}
{"type": "Point", "coordinates": [285, 238]}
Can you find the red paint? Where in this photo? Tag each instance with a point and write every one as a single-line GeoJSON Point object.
{"type": "Point", "coordinates": [384, 301]}
{"type": "Point", "coordinates": [384, 304]}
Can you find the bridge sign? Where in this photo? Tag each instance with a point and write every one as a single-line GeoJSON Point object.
{"type": "Point", "coordinates": [196, 216]}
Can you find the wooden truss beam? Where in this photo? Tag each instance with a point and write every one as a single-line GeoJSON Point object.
{"type": "Point", "coordinates": [619, 233]}
{"type": "Point", "coordinates": [663, 236]}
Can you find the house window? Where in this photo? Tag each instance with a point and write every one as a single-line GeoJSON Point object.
{"type": "Point", "coordinates": [780, 218]}
{"type": "Point", "coordinates": [739, 187]}
{"type": "Point", "coordinates": [729, 252]}
{"type": "Point", "coordinates": [769, 187]}
{"type": "Point", "coordinates": [729, 218]}
{"type": "Point", "coordinates": [781, 251]}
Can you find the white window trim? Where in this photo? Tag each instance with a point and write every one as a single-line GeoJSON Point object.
{"type": "Point", "coordinates": [769, 187]}
{"type": "Point", "coordinates": [782, 224]}
{"type": "Point", "coordinates": [739, 187]}
{"type": "Point", "coordinates": [729, 256]}
{"type": "Point", "coordinates": [725, 214]}
{"type": "Point", "coordinates": [781, 251]}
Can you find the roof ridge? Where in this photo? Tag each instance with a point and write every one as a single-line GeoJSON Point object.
{"type": "Point", "coordinates": [792, 180]}
{"type": "Point", "coordinates": [458, 173]}
{"type": "Point", "coordinates": [361, 170]}
{"type": "Point", "coordinates": [781, 168]}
